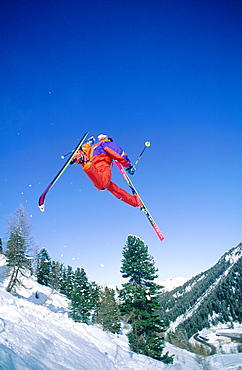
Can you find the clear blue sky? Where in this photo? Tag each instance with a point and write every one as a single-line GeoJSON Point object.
{"type": "Point", "coordinates": [164, 71]}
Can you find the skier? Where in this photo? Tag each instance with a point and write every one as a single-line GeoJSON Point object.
{"type": "Point", "coordinates": [96, 160]}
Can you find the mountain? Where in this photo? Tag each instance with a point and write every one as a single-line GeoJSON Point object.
{"type": "Point", "coordinates": [209, 298]}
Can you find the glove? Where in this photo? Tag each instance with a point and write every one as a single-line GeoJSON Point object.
{"type": "Point", "coordinates": [130, 170]}
{"type": "Point", "coordinates": [78, 157]}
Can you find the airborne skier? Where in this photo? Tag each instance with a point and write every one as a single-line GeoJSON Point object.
{"type": "Point", "coordinates": [96, 160]}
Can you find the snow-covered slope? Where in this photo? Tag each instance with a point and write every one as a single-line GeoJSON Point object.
{"type": "Point", "coordinates": [172, 283]}
{"type": "Point", "coordinates": [209, 298]}
{"type": "Point", "coordinates": [36, 334]}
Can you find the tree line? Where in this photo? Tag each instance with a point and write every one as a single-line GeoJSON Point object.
{"type": "Point", "coordinates": [136, 303]}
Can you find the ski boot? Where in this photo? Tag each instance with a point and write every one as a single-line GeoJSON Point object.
{"type": "Point", "coordinates": [80, 158]}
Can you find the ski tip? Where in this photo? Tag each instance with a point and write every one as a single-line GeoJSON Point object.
{"type": "Point", "coordinates": [42, 207]}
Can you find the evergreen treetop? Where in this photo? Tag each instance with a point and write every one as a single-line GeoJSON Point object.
{"type": "Point", "coordinates": [137, 264]}
{"type": "Point", "coordinates": [18, 246]}
{"type": "Point", "coordinates": [139, 300]}
{"type": "Point", "coordinates": [43, 267]}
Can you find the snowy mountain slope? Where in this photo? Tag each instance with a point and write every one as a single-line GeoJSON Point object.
{"type": "Point", "coordinates": [36, 334]}
{"type": "Point", "coordinates": [180, 319]}
{"type": "Point", "coordinates": [210, 297]}
{"type": "Point", "coordinates": [34, 337]}
{"type": "Point", "coordinates": [172, 283]}
{"type": "Point", "coordinates": [38, 338]}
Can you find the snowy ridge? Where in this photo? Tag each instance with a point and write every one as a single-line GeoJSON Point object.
{"type": "Point", "coordinates": [234, 255]}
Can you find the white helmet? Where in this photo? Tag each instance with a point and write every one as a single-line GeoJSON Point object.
{"type": "Point", "coordinates": [102, 136]}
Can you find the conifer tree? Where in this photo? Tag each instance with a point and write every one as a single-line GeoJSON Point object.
{"type": "Point", "coordinates": [18, 246]}
{"type": "Point", "coordinates": [69, 281]}
{"type": "Point", "coordinates": [63, 280]}
{"type": "Point", "coordinates": [139, 300]}
{"type": "Point", "coordinates": [94, 295]}
{"type": "Point", "coordinates": [79, 277]}
{"type": "Point", "coordinates": [1, 246]}
{"type": "Point", "coordinates": [43, 267]}
{"type": "Point", "coordinates": [107, 312]}
{"type": "Point", "coordinates": [80, 297]}
{"type": "Point", "coordinates": [55, 275]}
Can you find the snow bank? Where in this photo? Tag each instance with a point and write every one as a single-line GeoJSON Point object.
{"type": "Point", "coordinates": [34, 337]}
{"type": "Point", "coordinates": [36, 334]}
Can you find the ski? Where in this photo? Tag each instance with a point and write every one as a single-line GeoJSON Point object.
{"type": "Point", "coordinates": [43, 195]}
{"type": "Point", "coordinates": [143, 208]}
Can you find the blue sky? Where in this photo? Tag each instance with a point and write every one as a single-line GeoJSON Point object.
{"type": "Point", "coordinates": [164, 71]}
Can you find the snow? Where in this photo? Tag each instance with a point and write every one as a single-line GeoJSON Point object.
{"type": "Point", "coordinates": [233, 333]}
{"type": "Point", "coordinates": [234, 256]}
{"type": "Point", "coordinates": [36, 334]}
{"type": "Point", "coordinates": [226, 340]}
{"type": "Point", "coordinates": [172, 283]}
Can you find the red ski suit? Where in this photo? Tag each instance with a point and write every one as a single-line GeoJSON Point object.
{"type": "Point", "coordinates": [98, 168]}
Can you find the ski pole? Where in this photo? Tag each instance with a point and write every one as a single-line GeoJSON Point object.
{"type": "Point", "coordinates": [65, 155]}
{"type": "Point", "coordinates": [147, 143]}
{"type": "Point", "coordinates": [131, 170]}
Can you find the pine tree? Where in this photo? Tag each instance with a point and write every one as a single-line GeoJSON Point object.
{"type": "Point", "coordinates": [18, 245]}
{"type": "Point", "coordinates": [63, 280]}
{"type": "Point", "coordinates": [107, 312]}
{"type": "Point", "coordinates": [43, 267]}
{"type": "Point", "coordinates": [69, 281]}
{"type": "Point", "coordinates": [80, 308]}
{"type": "Point", "coordinates": [55, 275]}
{"type": "Point", "coordinates": [1, 246]}
{"type": "Point", "coordinates": [139, 300]}
{"type": "Point", "coordinates": [79, 277]}
{"type": "Point", "coordinates": [94, 294]}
